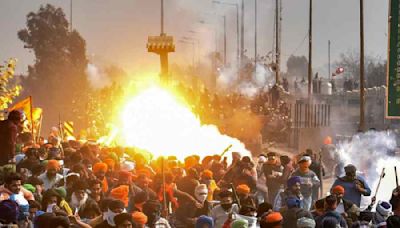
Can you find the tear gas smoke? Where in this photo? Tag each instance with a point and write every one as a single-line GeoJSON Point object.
{"type": "Point", "coordinates": [260, 80]}
{"type": "Point", "coordinates": [370, 152]}
{"type": "Point", "coordinates": [97, 78]}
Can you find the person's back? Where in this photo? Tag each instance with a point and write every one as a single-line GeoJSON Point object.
{"type": "Point", "coordinates": [290, 217]}
{"type": "Point", "coordinates": [331, 218]}
{"type": "Point", "coordinates": [8, 132]}
{"type": "Point", "coordinates": [394, 220]}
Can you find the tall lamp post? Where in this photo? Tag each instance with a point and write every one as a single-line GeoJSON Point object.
{"type": "Point", "coordinates": [187, 38]}
{"type": "Point", "coordinates": [362, 92]}
{"type": "Point", "coordinates": [237, 25]}
{"type": "Point", "coordinates": [242, 34]}
{"type": "Point", "coordinates": [310, 51]}
{"type": "Point", "coordinates": [162, 45]}
{"type": "Point", "coordinates": [190, 42]}
{"type": "Point", "coordinates": [255, 36]}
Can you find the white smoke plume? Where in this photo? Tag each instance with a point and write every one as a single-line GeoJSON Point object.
{"type": "Point", "coordinates": [370, 152]}
{"type": "Point", "coordinates": [261, 79]}
{"type": "Point", "coordinates": [97, 78]}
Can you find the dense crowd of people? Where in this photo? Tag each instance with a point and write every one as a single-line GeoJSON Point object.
{"type": "Point", "coordinates": [55, 183]}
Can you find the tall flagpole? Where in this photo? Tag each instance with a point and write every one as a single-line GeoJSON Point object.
{"type": "Point", "coordinates": [70, 15]}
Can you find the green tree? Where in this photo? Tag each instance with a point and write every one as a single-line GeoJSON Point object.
{"type": "Point", "coordinates": [297, 67]}
{"type": "Point", "coordinates": [375, 68]}
{"type": "Point", "coordinates": [57, 79]}
{"type": "Point", "coordinates": [9, 89]}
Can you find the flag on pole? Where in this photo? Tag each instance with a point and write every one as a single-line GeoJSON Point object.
{"type": "Point", "coordinates": [25, 105]}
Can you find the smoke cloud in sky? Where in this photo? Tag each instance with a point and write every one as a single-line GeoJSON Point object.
{"type": "Point", "coordinates": [370, 152]}
{"type": "Point", "coordinates": [97, 78]}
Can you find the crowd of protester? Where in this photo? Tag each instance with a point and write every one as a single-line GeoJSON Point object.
{"type": "Point", "coordinates": [55, 183]}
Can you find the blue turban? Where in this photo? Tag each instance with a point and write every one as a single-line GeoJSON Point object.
{"type": "Point", "coordinates": [9, 211]}
{"type": "Point", "coordinates": [293, 180]}
{"type": "Point", "coordinates": [204, 220]}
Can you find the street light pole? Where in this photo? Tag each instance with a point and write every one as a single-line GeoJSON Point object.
{"type": "Point", "coordinates": [70, 15]}
{"type": "Point", "coordinates": [192, 39]}
{"type": "Point", "coordinates": [277, 43]}
{"type": "Point", "coordinates": [329, 59]}
{"type": "Point", "coordinates": [237, 25]}
{"type": "Point", "coordinates": [310, 51]}
{"type": "Point", "coordinates": [224, 40]}
{"type": "Point", "coordinates": [191, 42]}
{"type": "Point", "coordinates": [162, 16]}
{"type": "Point", "coordinates": [242, 35]}
{"type": "Point", "coordinates": [362, 92]}
{"type": "Point", "coordinates": [255, 35]}
{"type": "Point", "coordinates": [237, 34]}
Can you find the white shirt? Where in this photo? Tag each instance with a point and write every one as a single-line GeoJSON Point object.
{"type": "Point", "coordinates": [220, 216]}
{"type": "Point", "coordinates": [340, 207]}
{"type": "Point", "coordinates": [161, 223]}
{"type": "Point", "coordinates": [50, 183]}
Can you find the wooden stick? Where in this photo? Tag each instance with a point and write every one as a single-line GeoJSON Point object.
{"type": "Point", "coordinates": [379, 183]}
{"type": "Point", "coordinates": [226, 150]}
{"type": "Point", "coordinates": [397, 178]}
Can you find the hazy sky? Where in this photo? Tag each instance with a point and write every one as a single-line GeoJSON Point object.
{"type": "Point", "coordinates": [116, 30]}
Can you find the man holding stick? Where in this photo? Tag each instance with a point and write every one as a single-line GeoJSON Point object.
{"type": "Point", "coordinates": [354, 185]}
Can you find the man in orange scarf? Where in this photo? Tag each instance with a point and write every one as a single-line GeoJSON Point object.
{"type": "Point", "coordinates": [100, 170]}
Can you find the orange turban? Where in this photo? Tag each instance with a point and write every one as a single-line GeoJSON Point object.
{"type": "Point", "coordinates": [139, 218]}
{"type": "Point", "coordinates": [100, 167]}
{"type": "Point", "coordinates": [244, 189]}
{"type": "Point", "coordinates": [208, 173]}
{"type": "Point", "coordinates": [190, 162]}
{"type": "Point", "coordinates": [110, 163]}
{"type": "Point", "coordinates": [53, 164]}
{"type": "Point", "coordinates": [338, 189]}
{"type": "Point", "coordinates": [121, 193]}
{"type": "Point", "coordinates": [274, 217]}
{"type": "Point", "coordinates": [328, 140]}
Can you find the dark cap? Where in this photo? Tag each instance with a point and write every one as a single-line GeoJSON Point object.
{"type": "Point", "coordinates": [115, 204]}
{"type": "Point", "coordinates": [350, 168]}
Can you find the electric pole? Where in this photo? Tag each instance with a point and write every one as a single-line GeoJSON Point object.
{"type": "Point", "coordinates": [329, 59]}
{"type": "Point", "coordinates": [70, 15]}
{"type": "Point", "coordinates": [242, 35]}
{"type": "Point", "coordinates": [162, 17]}
{"type": "Point", "coordinates": [255, 35]}
{"type": "Point", "coordinates": [277, 42]}
{"type": "Point", "coordinates": [362, 92]}
{"type": "Point", "coordinates": [310, 51]}
{"type": "Point", "coordinates": [224, 40]}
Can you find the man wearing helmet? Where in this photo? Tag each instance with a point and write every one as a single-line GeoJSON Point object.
{"type": "Point", "coordinates": [9, 130]}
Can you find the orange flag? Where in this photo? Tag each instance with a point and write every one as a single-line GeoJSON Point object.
{"type": "Point", "coordinates": [25, 104]}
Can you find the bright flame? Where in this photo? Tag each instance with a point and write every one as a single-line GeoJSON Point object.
{"type": "Point", "coordinates": [156, 121]}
